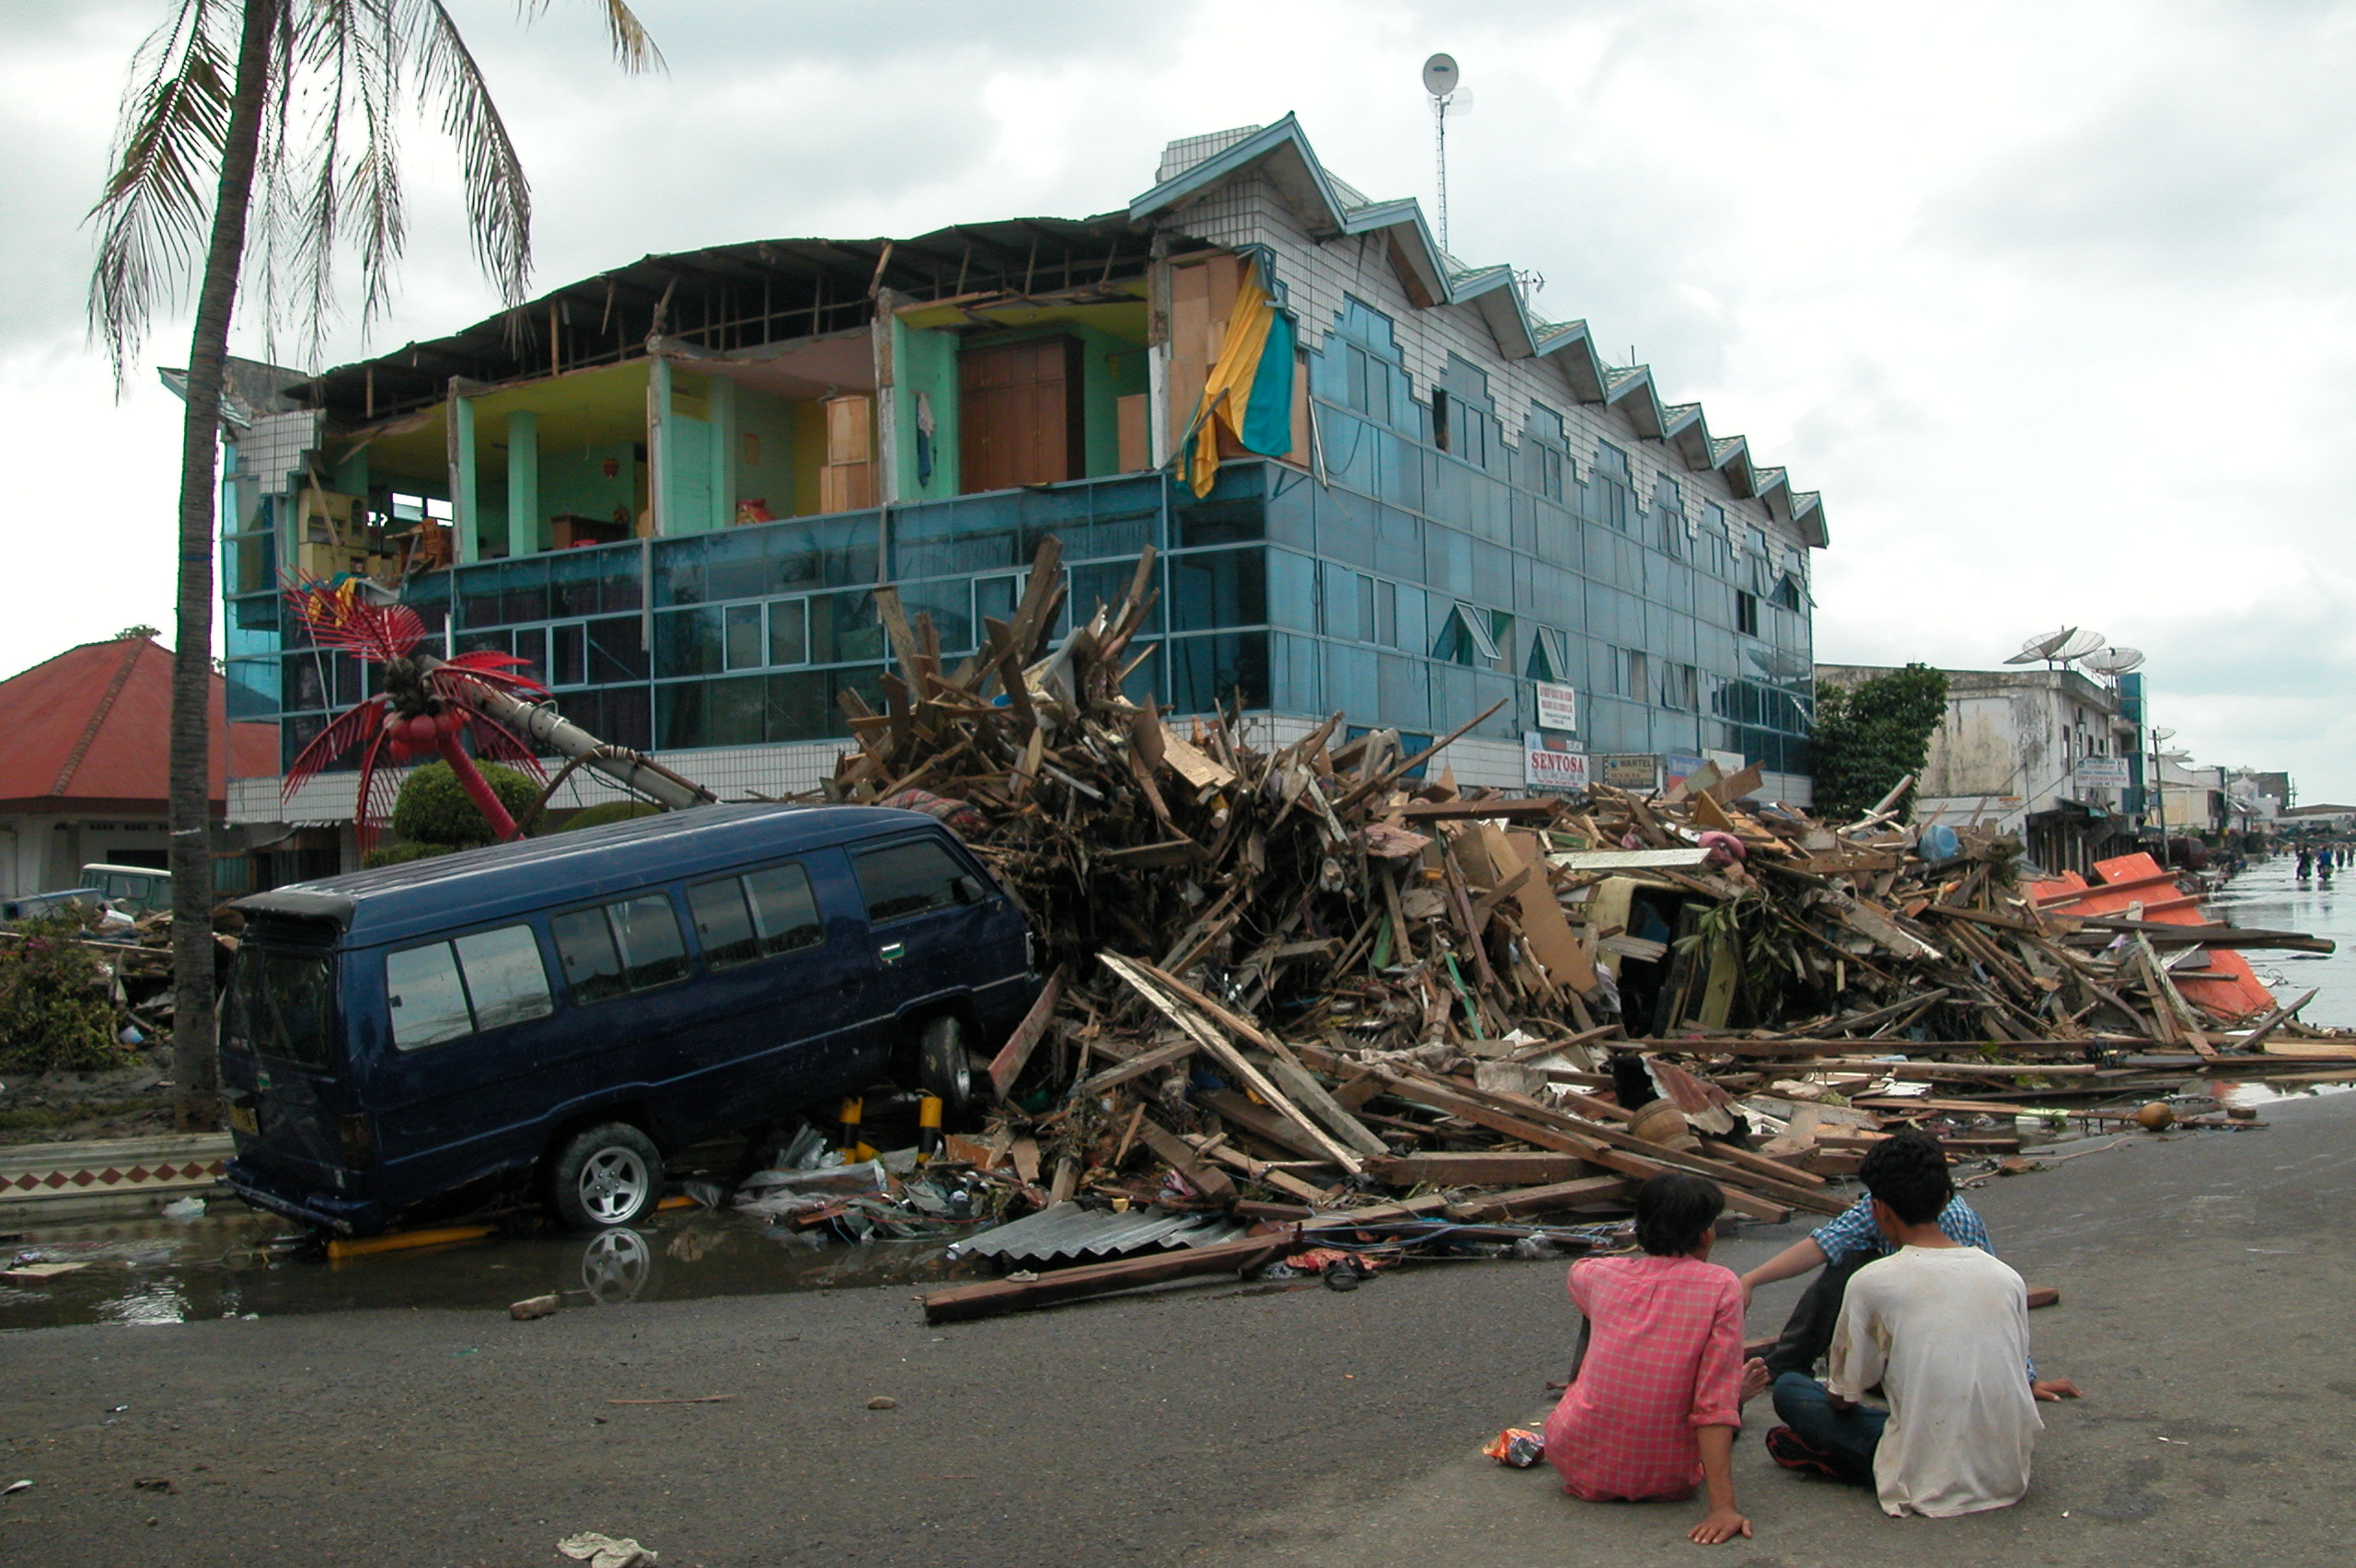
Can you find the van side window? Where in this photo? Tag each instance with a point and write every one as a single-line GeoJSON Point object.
{"type": "Point", "coordinates": [506, 980]}
{"type": "Point", "coordinates": [486, 980]}
{"type": "Point", "coordinates": [908, 878]}
{"type": "Point", "coordinates": [633, 945]}
{"type": "Point", "coordinates": [739, 920]}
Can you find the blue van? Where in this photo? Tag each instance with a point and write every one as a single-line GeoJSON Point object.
{"type": "Point", "coordinates": [565, 1012]}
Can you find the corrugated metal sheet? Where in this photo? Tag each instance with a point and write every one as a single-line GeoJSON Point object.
{"type": "Point", "coordinates": [1067, 1230]}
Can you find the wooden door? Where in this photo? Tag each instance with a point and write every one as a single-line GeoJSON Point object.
{"type": "Point", "coordinates": [1018, 414]}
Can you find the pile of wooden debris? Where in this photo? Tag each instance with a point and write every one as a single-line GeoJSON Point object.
{"type": "Point", "coordinates": [1309, 980]}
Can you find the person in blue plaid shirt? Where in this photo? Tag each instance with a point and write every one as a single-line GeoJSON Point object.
{"type": "Point", "coordinates": [1842, 1247]}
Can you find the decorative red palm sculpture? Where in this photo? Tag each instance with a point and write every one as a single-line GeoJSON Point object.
{"type": "Point", "coordinates": [427, 704]}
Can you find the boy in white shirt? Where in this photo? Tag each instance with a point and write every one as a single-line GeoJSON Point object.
{"type": "Point", "coordinates": [1942, 1330]}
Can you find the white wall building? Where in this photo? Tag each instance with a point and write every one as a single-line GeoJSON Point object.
{"type": "Point", "coordinates": [2040, 753]}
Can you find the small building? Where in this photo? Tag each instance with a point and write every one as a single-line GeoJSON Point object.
{"type": "Point", "coordinates": [672, 489]}
{"type": "Point", "coordinates": [84, 777]}
{"type": "Point", "coordinates": [2045, 753]}
{"type": "Point", "coordinates": [2320, 821]}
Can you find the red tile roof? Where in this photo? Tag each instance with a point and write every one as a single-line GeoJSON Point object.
{"type": "Point", "coordinates": [90, 729]}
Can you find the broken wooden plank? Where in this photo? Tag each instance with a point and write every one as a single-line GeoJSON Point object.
{"type": "Point", "coordinates": [1176, 1153]}
{"type": "Point", "coordinates": [1487, 1168]}
{"type": "Point", "coordinates": [1007, 1066]}
{"type": "Point", "coordinates": [1585, 1192]}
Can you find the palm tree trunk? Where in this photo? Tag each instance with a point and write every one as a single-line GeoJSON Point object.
{"type": "Point", "coordinates": [477, 789]}
{"type": "Point", "coordinates": [195, 1064]}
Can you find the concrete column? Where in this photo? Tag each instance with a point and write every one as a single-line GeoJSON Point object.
{"type": "Point", "coordinates": [523, 484]}
{"type": "Point", "coordinates": [465, 499]}
{"type": "Point", "coordinates": [720, 397]}
{"type": "Point", "coordinates": [658, 444]}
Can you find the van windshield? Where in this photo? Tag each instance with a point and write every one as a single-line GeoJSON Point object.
{"type": "Point", "coordinates": [281, 1004]}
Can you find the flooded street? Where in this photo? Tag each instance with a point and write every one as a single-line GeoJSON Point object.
{"type": "Point", "coordinates": [2271, 895]}
{"type": "Point", "coordinates": [235, 1264]}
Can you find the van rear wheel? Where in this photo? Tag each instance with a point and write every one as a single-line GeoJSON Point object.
{"type": "Point", "coordinates": [606, 1176]}
{"type": "Point", "coordinates": [945, 1068]}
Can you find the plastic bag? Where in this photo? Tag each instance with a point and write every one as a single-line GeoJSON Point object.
{"type": "Point", "coordinates": [1517, 1447]}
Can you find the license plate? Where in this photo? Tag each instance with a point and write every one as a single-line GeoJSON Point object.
{"type": "Point", "coordinates": [241, 1119]}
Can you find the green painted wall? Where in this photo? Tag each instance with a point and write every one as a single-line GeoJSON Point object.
{"type": "Point", "coordinates": [809, 446]}
{"type": "Point", "coordinates": [924, 366]}
{"type": "Point", "coordinates": [574, 482]}
{"type": "Point", "coordinates": [766, 461]}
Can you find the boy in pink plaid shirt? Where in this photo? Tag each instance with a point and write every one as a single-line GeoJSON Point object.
{"type": "Point", "coordinates": [1652, 1412]}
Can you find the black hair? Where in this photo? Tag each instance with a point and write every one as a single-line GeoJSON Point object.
{"type": "Point", "coordinates": [1908, 1172]}
{"type": "Point", "coordinates": [1674, 1210]}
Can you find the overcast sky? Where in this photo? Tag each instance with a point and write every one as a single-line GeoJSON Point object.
{"type": "Point", "coordinates": [2052, 301]}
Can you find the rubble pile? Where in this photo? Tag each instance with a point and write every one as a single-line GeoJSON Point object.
{"type": "Point", "coordinates": [1310, 983]}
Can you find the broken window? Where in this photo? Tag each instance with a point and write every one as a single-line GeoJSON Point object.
{"type": "Point", "coordinates": [1467, 636]}
{"type": "Point", "coordinates": [1746, 613]}
{"type": "Point", "coordinates": [1549, 657]}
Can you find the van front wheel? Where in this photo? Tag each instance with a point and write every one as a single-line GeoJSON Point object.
{"type": "Point", "coordinates": [606, 1176]}
{"type": "Point", "coordinates": [944, 1069]}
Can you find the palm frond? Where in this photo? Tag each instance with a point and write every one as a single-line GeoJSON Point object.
{"type": "Point", "coordinates": [379, 793]}
{"type": "Point", "coordinates": [157, 201]}
{"type": "Point", "coordinates": [350, 728]}
{"type": "Point", "coordinates": [633, 49]}
{"type": "Point", "coordinates": [499, 197]}
{"type": "Point", "coordinates": [494, 741]}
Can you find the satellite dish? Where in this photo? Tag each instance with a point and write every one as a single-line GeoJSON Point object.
{"type": "Point", "coordinates": [2113, 661]}
{"type": "Point", "coordinates": [1440, 74]}
{"type": "Point", "coordinates": [2162, 733]}
{"type": "Point", "coordinates": [2077, 647]}
{"type": "Point", "coordinates": [2038, 649]}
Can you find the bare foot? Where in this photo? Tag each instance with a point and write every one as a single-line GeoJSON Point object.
{"type": "Point", "coordinates": [1754, 1379]}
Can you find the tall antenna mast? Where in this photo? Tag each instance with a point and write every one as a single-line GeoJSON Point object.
{"type": "Point", "coordinates": [1440, 77]}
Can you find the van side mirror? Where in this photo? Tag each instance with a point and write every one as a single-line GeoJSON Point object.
{"type": "Point", "coordinates": [967, 889]}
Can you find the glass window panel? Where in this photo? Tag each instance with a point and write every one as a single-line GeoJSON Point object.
{"type": "Point", "coordinates": [615, 651]}
{"type": "Point", "coordinates": [1292, 591]}
{"type": "Point", "coordinates": [906, 879]}
{"type": "Point", "coordinates": [427, 997]}
{"type": "Point", "coordinates": [505, 977]}
{"type": "Point", "coordinates": [783, 910]}
{"type": "Point", "coordinates": [798, 706]}
{"type": "Point", "coordinates": [685, 715]}
{"type": "Point", "coordinates": [745, 639]}
{"type": "Point", "coordinates": [532, 647]}
{"type": "Point", "coordinates": [688, 643]}
{"type": "Point", "coordinates": [593, 966]}
{"type": "Point", "coordinates": [723, 923]}
{"type": "Point", "coordinates": [736, 711]}
{"type": "Point", "coordinates": [568, 654]}
{"type": "Point", "coordinates": [649, 930]}
{"type": "Point", "coordinates": [789, 632]}
{"type": "Point", "coordinates": [1228, 588]}
{"type": "Point", "coordinates": [279, 1004]}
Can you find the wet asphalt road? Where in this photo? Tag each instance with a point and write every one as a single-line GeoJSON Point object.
{"type": "Point", "coordinates": [2205, 1278]}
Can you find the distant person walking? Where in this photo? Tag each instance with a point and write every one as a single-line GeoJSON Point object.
{"type": "Point", "coordinates": [2306, 863]}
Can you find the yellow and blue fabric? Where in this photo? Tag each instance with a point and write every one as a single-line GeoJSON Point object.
{"type": "Point", "coordinates": [1248, 390]}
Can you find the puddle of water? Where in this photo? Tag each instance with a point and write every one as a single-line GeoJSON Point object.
{"type": "Point", "coordinates": [236, 1262]}
{"type": "Point", "coordinates": [2257, 1095]}
{"type": "Point", "coordinates": [2269, 894]}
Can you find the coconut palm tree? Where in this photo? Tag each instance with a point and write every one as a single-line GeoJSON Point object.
{"type": "Point", "coordinates": [262, 135]}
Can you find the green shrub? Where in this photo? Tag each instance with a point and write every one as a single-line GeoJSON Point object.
{"type": "Point", "coordinates": [55, 1014]}
{"type": "Point", "coordinates": [612, 810]}
{"type": "Point", "coordinates": [433, 808]}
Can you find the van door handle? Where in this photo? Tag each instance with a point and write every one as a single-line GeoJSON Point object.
{"type": "Point", "coordinates": [892, 952]}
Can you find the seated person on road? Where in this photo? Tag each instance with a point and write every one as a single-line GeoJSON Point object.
{"type": "Point", "coordinates": [1653, 1409]}
{"type": "Point", "coordinates": [1941, 1331]}
{"type": "Point", "coordinates": [1841, 1246]}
